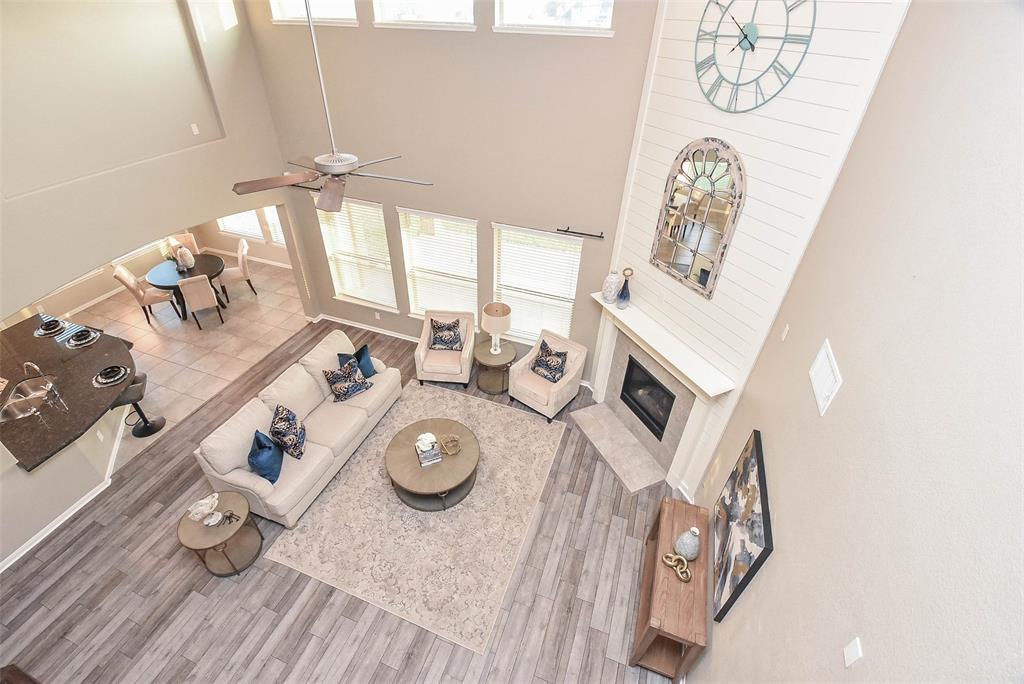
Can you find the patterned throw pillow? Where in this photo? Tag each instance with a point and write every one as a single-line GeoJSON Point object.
{"type": "Point", "coordinates": [445, 336]}
{"type": "Point", "coordinates": [549, 364]}
{"type": "Point", "coordinates": [347, 381]}
{"type": "Point", "coordinates": [287, 430]}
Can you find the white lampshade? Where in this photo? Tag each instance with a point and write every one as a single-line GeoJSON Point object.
{"type": "Point", "coordinates": [497, 318]}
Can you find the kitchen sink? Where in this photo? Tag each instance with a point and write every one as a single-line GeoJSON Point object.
{"type": "Point", "coordinates": [26, 398]}
{"type": "Point", "coordinates": [33, 387]}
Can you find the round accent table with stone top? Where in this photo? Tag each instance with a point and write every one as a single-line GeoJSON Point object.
{"type": "Point", "coordinates": [439, 486]}
{"type": "Point", "coordinates": [493, 374]}
{"type": "Point", "coordinates": [225, 549]}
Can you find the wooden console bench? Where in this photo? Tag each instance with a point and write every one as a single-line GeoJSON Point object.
{"type": "Point", "coordinates": [671, 625]}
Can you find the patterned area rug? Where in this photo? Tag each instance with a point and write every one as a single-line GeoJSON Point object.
{"type": "Point", "coordinates": [445, 571]}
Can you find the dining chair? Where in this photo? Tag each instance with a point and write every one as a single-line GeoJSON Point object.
{"type": "Point", "coordinates": [186, 239]}
{"type": "Point", "coordinates": [145, 294]}
{"type": "Point", "coordinates": [199, 294]}
{"type": "Point", "coordinates": [238, 273]}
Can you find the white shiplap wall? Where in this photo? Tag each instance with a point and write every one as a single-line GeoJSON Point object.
{"type": "Point", "coordinates": [792, 148]}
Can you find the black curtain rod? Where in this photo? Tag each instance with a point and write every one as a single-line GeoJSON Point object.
{"type": "Point", "coordinates": [569, 231]}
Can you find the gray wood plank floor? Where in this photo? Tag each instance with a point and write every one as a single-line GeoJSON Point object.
{"type": "Point", "coordinates": [111, 596]}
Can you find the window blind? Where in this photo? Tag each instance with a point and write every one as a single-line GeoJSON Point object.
{"type": "Point", "coordinates": [337, 10]}
{"type": "Point", "coordinates": [535, 273]}
{"type": "Point", "coordinates": [419, 12]}
{"type": "Point", "coordinates": [357, 252]}
{"type": "Point", "coordinates": [440, 261]}
{"type": "Point", "coordinates": [591, 15]}
{"type": "Point", "coordinates": [274, 225]}
{"type": "Point", "coordinates": [246, 224]}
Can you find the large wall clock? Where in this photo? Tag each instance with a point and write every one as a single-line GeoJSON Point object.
{"type": "Point", "coordinates": [747, 51]}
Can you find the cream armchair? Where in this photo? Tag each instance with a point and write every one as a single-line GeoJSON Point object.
{"type": "Point", "coordinates": [544, 397]}
{"type": "Point", "coordinates": [441, 365]}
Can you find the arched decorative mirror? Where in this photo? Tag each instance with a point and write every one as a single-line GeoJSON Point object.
{"type": "Point", "coordinates": [703, 199]}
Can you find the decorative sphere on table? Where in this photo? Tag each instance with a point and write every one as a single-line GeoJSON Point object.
{"type": "Point", "coordinates": [688, 544]}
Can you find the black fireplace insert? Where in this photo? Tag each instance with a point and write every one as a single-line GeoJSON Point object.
{"type": "Point", "coordinates": [647, 398]}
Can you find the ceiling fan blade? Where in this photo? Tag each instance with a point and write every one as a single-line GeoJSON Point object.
{"type": "Point", "coordinates": [304, 162]}
{"type": "Point", "coordinates": [331, 194]}
{"type": "Point", "coordinates": [391, 178]}
{"type": "Point", "coordinates": [245, 187]}
{"type": "Point", "coordinates": [378, 161]}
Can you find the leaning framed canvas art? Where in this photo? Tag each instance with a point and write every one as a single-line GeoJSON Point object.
{"type": "Point", "coordinates": [743, 531]}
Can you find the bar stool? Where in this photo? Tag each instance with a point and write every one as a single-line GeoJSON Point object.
{"type": "Point", "coordinates": [133, 394]}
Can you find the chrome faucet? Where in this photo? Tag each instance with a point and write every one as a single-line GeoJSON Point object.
{"type": "Point", "coordinates": [25, 366]}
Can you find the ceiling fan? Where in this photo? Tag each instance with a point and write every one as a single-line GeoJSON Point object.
{"type": "Point", "coordinates": [336, 167]}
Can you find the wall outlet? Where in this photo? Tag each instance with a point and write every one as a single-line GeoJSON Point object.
{"type": "Point", "coordinates": [195, 129]}
{"type": "Point", "coordinates": [376, 314]}
{"type": "Point", "coordinates": [852, 652]}
{"type": "Point", "coordinates": [99, 435]}
{"type": "Point", "coordinates": [785, 333]}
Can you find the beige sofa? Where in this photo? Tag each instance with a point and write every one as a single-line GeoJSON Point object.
{"type": "Point", "coordinates": [333, 432]}
{"type": "Point", "coordinates": [439, 365]}
{"type": "Point", "coordinates": [544, 397]}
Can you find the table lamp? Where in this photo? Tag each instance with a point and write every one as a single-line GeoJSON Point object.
{"type": "Point", "coordinates": [496, 319]}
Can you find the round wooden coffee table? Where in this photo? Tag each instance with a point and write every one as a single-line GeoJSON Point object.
{"type": "Point", "coordinates": [434, 487]}
{"type": "Point", "coordinates": [493, 374]}
{"type": "Point", "coordinates": [228, 548]}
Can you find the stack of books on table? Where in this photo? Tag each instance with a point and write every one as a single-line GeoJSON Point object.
{"type": "Point", "coordinates": [428, 450]}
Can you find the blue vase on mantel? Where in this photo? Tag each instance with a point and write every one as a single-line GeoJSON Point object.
{"type": "Point", "coordinates": [622, 300]}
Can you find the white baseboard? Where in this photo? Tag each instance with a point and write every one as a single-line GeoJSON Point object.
{"type": "Point", "coordinates": [224, 252]}
{"type": "Point", "coordinates": [46, 531]}
{"type": "Point", "coordinates": [382, 331]}
{"type": "Point", "coordinates": [91, 302]}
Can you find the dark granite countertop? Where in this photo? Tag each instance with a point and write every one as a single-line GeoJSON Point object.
{"type": "Point", "coordinates": [34, 439]}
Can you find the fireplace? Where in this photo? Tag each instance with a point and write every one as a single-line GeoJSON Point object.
{"type": "Point", "coordinates": [650, 400]}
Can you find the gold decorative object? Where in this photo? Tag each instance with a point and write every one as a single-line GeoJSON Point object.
{"type": "Point", "coordinates": [679, 564]}
{"type": "Point", "coordinates": [450, 445]}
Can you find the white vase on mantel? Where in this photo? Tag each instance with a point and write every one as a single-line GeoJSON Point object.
{"type": "Point", "coordinates": [612, 285]}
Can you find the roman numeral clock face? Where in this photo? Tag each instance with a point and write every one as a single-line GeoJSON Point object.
{"type": "Point", "coordinates": [748, 50]}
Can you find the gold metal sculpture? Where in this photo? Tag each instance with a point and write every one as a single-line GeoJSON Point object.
{"type": "Point", "coordinates": [450, 445]}
{"type": "Point", "coordinates": [679, 564]}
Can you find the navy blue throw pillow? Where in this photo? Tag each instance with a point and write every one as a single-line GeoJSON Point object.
{"type": "Point", "coordinates": [362, 357]}
{"type": "Point", "coordinates": [265, 457]}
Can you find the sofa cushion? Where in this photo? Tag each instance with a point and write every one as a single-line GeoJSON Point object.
{"type": "Point", "coordinates": [446, 362]}
{"type": "Point", "coordinates": [533, 387]}
{"type": "Point", "coordinates": [227, 447]}
{"type": "Point", "coordinates": [289, 431]}
{"type": "Point", "coordinates": [347, 381]}
{"type": "Point", "coordinates": [265, 457]}
{"type": "Point", "coordinates": [298, 477]}
{"type": "Point", "coordinates": [294, 388]}
{"type": "Point", "coordinates": [324, 356]}
{"type": "Point", "coordinates": [386, 384]}
{"type": "Point", "coordinates": [549, 364]}
{"type": "Point", "coordinates": [335, 425]}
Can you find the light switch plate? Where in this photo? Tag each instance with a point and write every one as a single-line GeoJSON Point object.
{"type": "Point", "coordinates": [785, 333]}
{"type": "Point", "coordinates": [852, 652]}
{"type": "Point", "coordinates": [195, 129]}
{"type": "Point", "coordinates": [825, 377]}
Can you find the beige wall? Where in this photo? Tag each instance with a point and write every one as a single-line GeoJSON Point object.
{"type": "Point", "coordinates": [208, 236]}
{"type": "Point", "coordinates": [57, 233]}
{"type": "Point", "coordinates": [897, 516]}
{"type": "Point", "coordinates": [522, 129]}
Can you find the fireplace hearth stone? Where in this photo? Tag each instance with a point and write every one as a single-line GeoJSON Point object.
{"type": "Point", "coordinates": [634, 465]}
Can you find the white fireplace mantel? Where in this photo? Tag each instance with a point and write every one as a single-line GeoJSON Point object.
{"type": "Point", "coordinates": [677, 356]}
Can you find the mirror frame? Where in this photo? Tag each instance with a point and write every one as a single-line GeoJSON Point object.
{"type": "Point", "coordinates": [737, 195]}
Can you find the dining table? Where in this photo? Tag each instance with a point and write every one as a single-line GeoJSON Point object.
{"type": "Point", "coordinates": [166, 275]}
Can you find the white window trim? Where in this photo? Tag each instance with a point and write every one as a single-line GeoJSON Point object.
{"type": "Point", "coordinates": [426, 25]}
{"type": "Point", "coordinates": [555, 31]}
{"type": "Point", "coordinates": [264, 228]}
{"type": "Point", "coordinates": [350, 23]}
{"type": "Point", "coordinates": [451, 217]}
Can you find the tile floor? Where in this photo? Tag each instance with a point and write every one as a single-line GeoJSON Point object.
{"type": "Point", "coordinates": [186, 366]}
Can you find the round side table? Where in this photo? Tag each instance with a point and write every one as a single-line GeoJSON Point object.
{"type": "Point", "coordinates": [493, 374]}
{"type": "Point", "coordinates": [229, 548]}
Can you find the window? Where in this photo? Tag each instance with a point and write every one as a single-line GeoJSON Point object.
{"type": "Point", "coordinates": [244, 224]}
{"type": "Point", "coordinates": [454, 14]}
{"type": "Point", "coordinates": [340, 12]}
{"type": "Point", "coordinates": [274, 227]}
{"type": "Point", "coordinates": [535, 273]}
{"type": "Point", "coordinates": [440, 261]}
{"type": "Point", "coordinates": [357, 252]}
{"type": "Point", "coordinates": [557, 16]}
{"type": "Point", "coordinates": [255, 224]}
